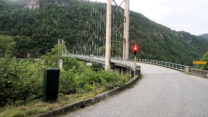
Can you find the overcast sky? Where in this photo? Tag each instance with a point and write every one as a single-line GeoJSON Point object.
{"type": "Point", "coordinates": [181, 15]}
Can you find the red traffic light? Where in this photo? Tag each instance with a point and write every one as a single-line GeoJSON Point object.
{"type": "Point", "coordinates": [135, 49]}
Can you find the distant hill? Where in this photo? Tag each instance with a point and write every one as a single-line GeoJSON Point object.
{"type": "Point", "coordinates": [205, 36]}
{"type": "Point", "coordinates": [34, 4]}
{"type": "Point", "coordinates": [37, 31]}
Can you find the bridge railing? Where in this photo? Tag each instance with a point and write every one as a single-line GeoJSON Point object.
{"type": "Point", "coordinates": [118, 65]}
{"type": "Point", "coordinates": [118, 60]}
{"type": "Point", "coordinates": [170, 65]}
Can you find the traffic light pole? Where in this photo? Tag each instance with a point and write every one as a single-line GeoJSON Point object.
{"type": "Point", "coordinates": [108, 37]}
{"type": "Point", "coordinates": [135, 50]}
{"type": "Point", "coordinates": [134, 65]}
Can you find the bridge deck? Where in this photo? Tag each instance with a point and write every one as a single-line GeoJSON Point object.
{"type": "Point", "coordinates": [161, 93]}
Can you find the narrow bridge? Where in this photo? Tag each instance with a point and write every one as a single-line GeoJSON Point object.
{"type": "Point", "coordinates": [162, 92]}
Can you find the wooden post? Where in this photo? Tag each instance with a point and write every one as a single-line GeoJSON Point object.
{"type": "Point", "coordinates": [108, 37]}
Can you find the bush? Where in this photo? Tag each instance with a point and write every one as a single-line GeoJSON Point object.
{"type": "Point", "coordinates": [20, 80]}
{"type": "Point", "coordinates": [76, 74]}
{"type": "Point", "coordinates": [97, 67]}
{"type": "Point", "coordinates": [111, 79]}
{"type": "Point", "coordinates": [205, 58]}
{"type": "Point", "coordinates": [76, 77]}
{"type": "Point", "coordinates": [66, 83]}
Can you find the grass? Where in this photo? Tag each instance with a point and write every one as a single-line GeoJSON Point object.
{"type": "Point", "coordinates": [38, 106]}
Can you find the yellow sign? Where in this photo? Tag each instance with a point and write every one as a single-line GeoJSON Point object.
{"type": "Point", "coordinates": [200, 62]}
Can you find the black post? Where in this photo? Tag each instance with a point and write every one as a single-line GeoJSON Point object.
{"type": "Point", "coordinates": [138, 70]}
{"type": "Point", "coordinates": [51, 83]}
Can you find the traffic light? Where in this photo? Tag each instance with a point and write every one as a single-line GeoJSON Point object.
{"type": "Point", "coordinates": [135, 49]}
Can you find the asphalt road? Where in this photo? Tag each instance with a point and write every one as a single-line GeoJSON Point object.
{"type": "Point", "coordinates": [161, 93]}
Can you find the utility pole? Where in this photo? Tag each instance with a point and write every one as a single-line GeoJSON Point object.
{"type": "Point", "coordinates": [126, 31]}
{"type": "Point", "coordinates": [108, 37]}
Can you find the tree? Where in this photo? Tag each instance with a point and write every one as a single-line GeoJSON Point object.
{"type": "Point", "coordinates": [11, 50]}
{"type": "Point", "coordinates": [205, 58]}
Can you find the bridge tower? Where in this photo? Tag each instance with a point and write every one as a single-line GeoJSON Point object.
{"type": "Point", "coordinates": [108, 37]}
{"type": "Point", "coordinates": [108, 32]}
{"type": "Point", "coordinates": [126, 31]}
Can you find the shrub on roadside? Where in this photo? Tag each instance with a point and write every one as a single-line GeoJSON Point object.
{"type": "Point", "coordinates": [204, 58]}
{"type": "Point", "coordinates": [81, 78]}
{"type": "Point", "coordinates": [22, 79]}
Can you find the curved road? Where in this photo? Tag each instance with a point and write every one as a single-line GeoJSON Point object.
{"type": "Point", "coordinates": [161, 93]}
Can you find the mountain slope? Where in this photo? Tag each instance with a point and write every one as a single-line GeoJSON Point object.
{"type": "Point", "coordinates": [205, 36]}
{"type": "Point", "coordinates": [36, 31]}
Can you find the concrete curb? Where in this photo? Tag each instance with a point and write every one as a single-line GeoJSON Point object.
{"type": "Point", "coordinates": [71, 107]}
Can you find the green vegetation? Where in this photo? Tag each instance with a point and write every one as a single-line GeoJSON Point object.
{"type": "Point", "coordinates": [204, 58]}
{"type": "Point", "coordinates": [36, 32]}
{"type": "Point", "coordinates": [4, 41]}
{"type": "Point", "coordinates": [37, 106]}
{"type": "Point", "coordinates": [21, 82]}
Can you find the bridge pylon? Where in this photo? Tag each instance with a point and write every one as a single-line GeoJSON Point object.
{"type": "Point", "coordinates": [125, 32]}
{"type": "Point", "coordinates": [108, 37]}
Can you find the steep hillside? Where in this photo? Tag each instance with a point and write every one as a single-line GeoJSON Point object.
{"type": "Point", "coordinates": [36, 31]}
{"type": "Point", "coordinates": [205, 36]}
{"type": "Point", "coordinates": [34, 4]}
{"type": "Point", "coordinates": [160, 42]}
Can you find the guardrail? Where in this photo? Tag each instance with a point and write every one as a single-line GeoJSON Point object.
{"type": "Point", "coordinates": [170, 65]}
{"type": "Point", "coordinates": [175, 66]}
{"type": "Point", "coordinates": [198, 72]}
{"type": "Point", "coordinates": [100, 59]}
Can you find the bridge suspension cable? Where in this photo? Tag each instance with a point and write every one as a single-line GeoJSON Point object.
{"type": "Point", "coordinates": [91, 39]}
